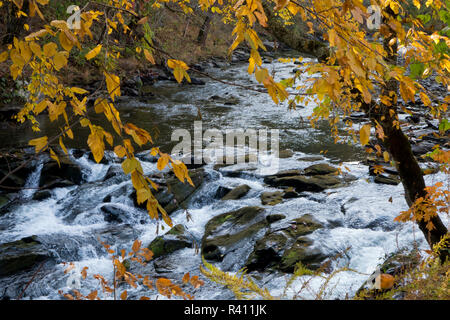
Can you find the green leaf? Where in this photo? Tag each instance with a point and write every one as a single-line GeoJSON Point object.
{"type": "Point", "coordinates": [444, 125]}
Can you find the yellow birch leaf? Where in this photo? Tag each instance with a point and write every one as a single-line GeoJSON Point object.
{"type": "Point", "coordinates": [149, 56]}
{"type": "Point", "coordinates": [50, 49]}
{"type": "Point", "coordinates": [60, 60]}
{"type": "Point", "coordinates": [61, 144]}
{"type": "Point", "coordinates": [120, 151]}
{"type": "Point", "coordinates": [39, 143]}
{"type": "Point", "coordinates": [94, 52]}
{"type": "Point", "coordinates": [364, 134]}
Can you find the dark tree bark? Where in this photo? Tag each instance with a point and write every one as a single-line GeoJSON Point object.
{"type": "Point", "coordinates": [204, 30]}
{"type": "Point", "coordinates": [14, 25]}
{"type": "Point", "coordinates": [399, 147]}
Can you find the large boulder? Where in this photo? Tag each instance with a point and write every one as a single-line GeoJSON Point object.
{"type": "Point", "coordinates": [113, 214]}
{"type": "Point", "coordinates": [182, 192]}
{"type": "Point", "coordinates": [11, 161]}
{"type": "Point", "coordinates": [226, 231]}
{"type": "Point", "coordinates": [173, 194]}
{"type": "Point", "coordinates": [21, 255]}
{"type": "Point", "coordinates": [282, 248]}
{"type": "Point", "coordinates": [174, 240]}
{"type": "Point", "coordinates": [320, 169]}
{"type": "Point", "coordinates": [237, 192]}
{"type": "Point", "coordinates": [66, 174]}
{"type": "Point", "coordinates": [301, 183]}
{"type": "Point", "coordinates": [271, 198]}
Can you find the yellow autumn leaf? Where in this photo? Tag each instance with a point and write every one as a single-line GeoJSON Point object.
{"type": "Point", "coordinates": [364, 134]}
{"type": "Point", "coordinates": [3, 56]}
{"type": "Point", "coordinates": [78, 90]}
{"type": "Point", "coordinates": [63, 147]}
{"type": "Point", "coordinates": [50, 49]}
{"type": "Point", "coordinates": [94, 52]}
{"type": "Point", "coordinates": [60, 60]}
{"type": "Point", "coordinates": [65, 42]}
{"type": "Point", "coordinates": [95, 143]}
{"type": "Point", "coordinates": [149, 56]}
{"type": "Point", "coordinates": [54, 157]}
{"type": "Point", "coordinates": [113, 85]}
{"type": "Point", "coordinates": [120, 151]}
{"type": "Point", "coordinates": [39, 143]}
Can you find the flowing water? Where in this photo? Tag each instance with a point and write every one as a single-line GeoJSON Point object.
{"type": "Point", "coordinates": [358, 217]}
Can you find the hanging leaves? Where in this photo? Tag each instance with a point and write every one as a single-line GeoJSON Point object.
{"type": "Point", "coordinates": [179, 69]}
{"type": "Point", "coordinates": [364, 134]}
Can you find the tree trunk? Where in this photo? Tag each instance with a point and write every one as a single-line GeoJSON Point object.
{"type": "Point", "coordinates": [399, 147]}
{"type": "Point", "coordinates": [14, 25]}
{"type": "Point", "coordinates": [204, 30]}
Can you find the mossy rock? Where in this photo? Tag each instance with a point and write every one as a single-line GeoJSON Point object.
{"type": "Point", "coordinates": [391, 180]}
{"type": "Point", "coordinates": [275, 217]}
{"type": "Point", "coordinates": [320, 169]}
{"type": "Point", "coordinates": [228, 229]}
{"type": "Point", "coordinates": [267, 253]}
{"type": "Point", "coordinates": [283, 154]}
{"type": "Point", "coordinates": [175, 239]}
{"type": "Point", "coordinates": [21, 255]}
{"type": "Point", "coordinates": [304, 225]}
{"type": "Point", "coordinates": [237, 192]}
{"type": "Point", "coordinates": [301, 252]}
{"type": "Point", "coordinates": [310, 158]}
{"type": "Point", "coordinates": [271, 198]}
{"type": "Point", "coordinates": [302, 183]}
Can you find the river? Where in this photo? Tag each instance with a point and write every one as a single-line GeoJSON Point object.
{"type": "Point", "coordinates": [357, 217]}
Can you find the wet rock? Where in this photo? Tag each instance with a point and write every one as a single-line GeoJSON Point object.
{"type": "Point", "coordinates": [237, 192]}
{"type": "Point", "coordinates": [226, 231]}
{"type": "Point", "coordinates": [4, 200]}
{"type": "Point", "coordinates": [78, 153]}
{"type": "Point", "coordinates": [300, 252]}
{"type": "Point", "coordinates": [174, 240]}
{"type": "Point", "coordinates": [21, 255]}
{"type": "Point", "coordinates": [67, 174]}
{"type": "Point", "coordinates": [281, 174]}
{"type": "Point", "coordinates": [275, 217]}
{"type": "Point", "coordinates": [383, 179]}
{"type": "Point", "coordinates": [113, 213]}
{"type": "Point", "coordinates": [289, 193]}
{"type": "Point", "coordinates": [302, 183]}
{"type": "Point", "coordinates": [271, 198]}
{"type": "Point", "coordinates": [193, 162]}
{"type": "Point", "coordinates": [310, 158]}
{"type": "Point", "coordinates": [221, 192]}
{"type": "Point", "coordinates": [177, 193]}
{"type": "Point", "coordinates": [283, 154]}
{"type": "Point", "coordinates": [320, 169]}
{"type": "Point", "coordinates": [42, 195]}
{"type": "Point", "coordinates": [113, 171]}
{"type": "Point", "coordinates": [16, 180]}
{"type": "Point", "coordinates": [280, 249]}
{"type": "Point", "coordinates": [422, 148]}
{"type": "Point", "coordinates": [182, 192]}
{"type": "Point", "coordinates": [386, 169]}
{"type": "Point", "coordinates": [267, 252]}
{"type": "Point", "coordinates": [394, 264]}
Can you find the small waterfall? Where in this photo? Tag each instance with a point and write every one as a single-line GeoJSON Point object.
{"type": "Point", "coordinates": [32, 183]}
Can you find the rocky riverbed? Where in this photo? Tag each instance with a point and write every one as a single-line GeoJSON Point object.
{"type": "Point", "coordinates": [314, 207]}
